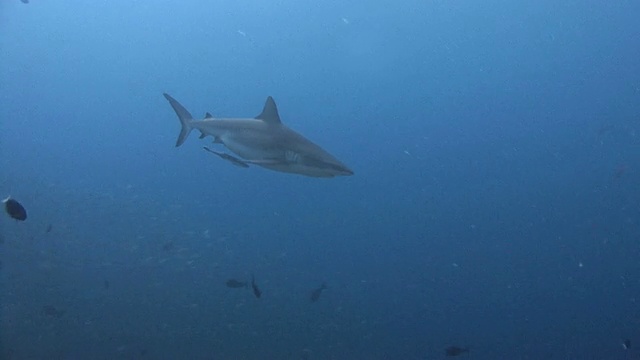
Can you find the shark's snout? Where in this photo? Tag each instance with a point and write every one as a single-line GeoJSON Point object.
{"type": "Point", "coordinates": [342, 170]}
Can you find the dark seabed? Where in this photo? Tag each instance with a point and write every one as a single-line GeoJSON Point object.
{"type": "Point", "coordinates": [495, 203]}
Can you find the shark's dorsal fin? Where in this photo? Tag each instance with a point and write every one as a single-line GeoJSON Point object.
{"type": "Point", "coordinates": [269, 113]}
{"type": "Point", "coordinates": [208, 116]}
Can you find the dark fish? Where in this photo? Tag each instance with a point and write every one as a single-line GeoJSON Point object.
{"type": "Point", "coordinates": [232, 159]}
{"type": "Point", "coordinates": [15, 209]}
{"type": "Point", "coordinates": [235, 284]}
{"type": "Point", "coordinates": [25, 1]}
{"type": "Point", "coordinates": [605, 129]}
{"type": "Point", "coordinates": [619, 171]}
{"type": "Point", "coordinates": [455, 351]}
{"type": "Point", "coordinates": [106, 284]}
{"type": "Point", "coordinates": [51, 311]}
{"type": "Point", "coordinates": [305, 354]}
{"type": "Point", "coordinates": [168, 246]}
{"type": "Point", "coordinates": [256, 291]}
{"type": "Point", "coordinates": [626, 344]}
{"type": "Point", "coordinates": [49, 228]}
{"type": "Point", "coordinates": [315, 294]}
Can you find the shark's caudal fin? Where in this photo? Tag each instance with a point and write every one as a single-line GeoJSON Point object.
{"type": "Point", "coordinates": [184, 116]}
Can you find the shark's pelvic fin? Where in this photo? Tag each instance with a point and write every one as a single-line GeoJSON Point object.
{"type": "Point", "coordinates": [269, 113]}
{"type": "Point", "coordinates": [208, 116]}
{"type": "Point", "coordinates": [184, 116]}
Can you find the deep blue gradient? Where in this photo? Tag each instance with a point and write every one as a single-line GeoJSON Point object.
{"type": "Point", "coordinates": [495, 202]}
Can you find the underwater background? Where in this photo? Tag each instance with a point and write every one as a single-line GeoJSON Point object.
{"type": "Point", "coordinates": [495, 203]}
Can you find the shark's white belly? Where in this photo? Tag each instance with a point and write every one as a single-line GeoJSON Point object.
{"type": "Point", "coordinates": [274, 148]}
{"type": "Point", "coordinates": [249, 150]}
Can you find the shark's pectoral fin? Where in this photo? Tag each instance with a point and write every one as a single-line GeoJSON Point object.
{"type": "Point", "coordinates": [232, 159]}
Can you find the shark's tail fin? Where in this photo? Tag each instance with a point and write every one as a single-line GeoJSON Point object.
{"type": "Point", "coordinates": [184, 116]}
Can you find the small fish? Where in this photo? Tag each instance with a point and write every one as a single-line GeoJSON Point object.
{"type": "Point", "coordinates": [626, 344]}
{"type": "Point", "coordinates": [256, 291]}
{"type": "Point", "coordinates": [305, 354]}
{"type": "Point", "coordinates": [168, 246]}
{"type": "Point", "coordinates": [455, 350]}
{"type": "Point", "coordinates": [605, 129]}
{"type": "Point", "coordinates": [232, 159]}
{"type": "Point", "coordinates": [24, 1]}
{"type": "Point", "coordinates": [106, 284]}
{"type": "Point", "coordinates": [236, 284]}
{"type": "Point", "coordinates": [49, 310]}
{"type": "Point", "coordinates": [49, 228]}
{"type": "Point", "coordinates": [619, 171]}
{"type": "Point", "coordinates": [15, 209]}
{"type": "Point", "coordinates": [315, 294]}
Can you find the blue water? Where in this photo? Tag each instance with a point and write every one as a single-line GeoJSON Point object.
{"type": "Point", "coordinates": [495, 202]}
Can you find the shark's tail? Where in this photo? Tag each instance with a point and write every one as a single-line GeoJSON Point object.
{"type": "Point", "coordinates": [184, 116]}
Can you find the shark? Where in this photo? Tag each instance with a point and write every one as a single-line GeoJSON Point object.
{"type": "Point", "coordinates": [262, 141]}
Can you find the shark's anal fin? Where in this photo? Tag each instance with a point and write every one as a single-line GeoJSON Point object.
{"type": "Point", "coordinates": [269, 113]}
{"type": "Point", "coordinates": [232, 159]}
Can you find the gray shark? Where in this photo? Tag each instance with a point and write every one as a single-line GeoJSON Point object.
{"type": "Point", "coordinates": [263, 141]}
